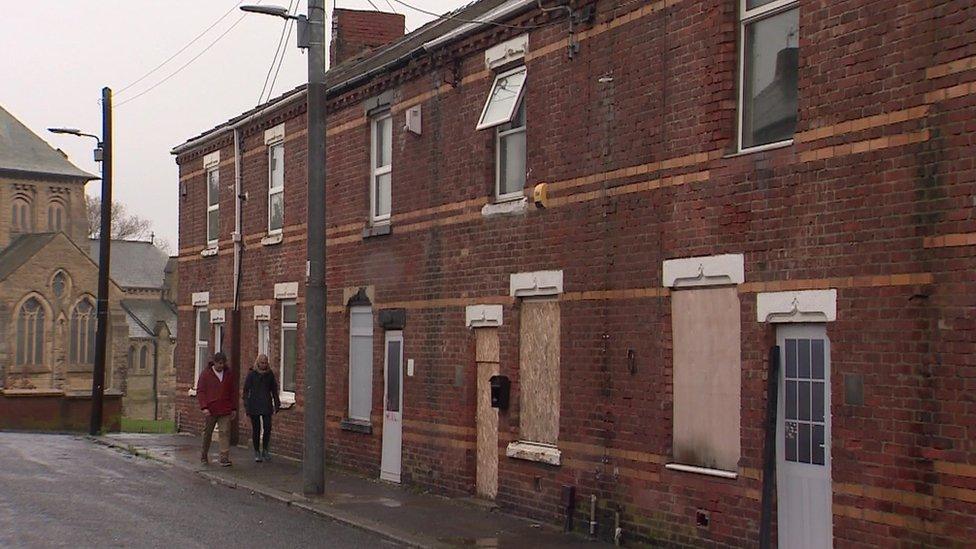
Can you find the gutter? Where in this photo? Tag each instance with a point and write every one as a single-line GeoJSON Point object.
{"type": "Point", "coordinates": [512, 7]}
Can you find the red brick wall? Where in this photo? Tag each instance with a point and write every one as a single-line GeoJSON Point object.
{"type": "Point", "coordinates": [355, 31]}
{"type": "Point", "coordinates": [874, 198]}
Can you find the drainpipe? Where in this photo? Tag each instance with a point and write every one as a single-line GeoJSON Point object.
{"type": "Point", "coordinates": [156, 378]}
{"type": "Point", "coordinates": [592, 515]}
{"type": "Point", "coordinates": [238, 238]}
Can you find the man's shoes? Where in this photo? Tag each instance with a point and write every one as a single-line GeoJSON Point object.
{"type": "Point", "coordinates": [224, 460]}
{"type": "Point", "coordinates": [266, 455]}
{"type": "Point", "coordinates": [257, 457]}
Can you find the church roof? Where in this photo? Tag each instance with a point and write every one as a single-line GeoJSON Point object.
{"type": "Point", "coordinates": [21, 250]}
{"type": "Point", "coordinates": [135, 263]}
{"type": "Point", "coordinates": [23, 151]}
{"type": "Point", "coordinates": [143, 314]}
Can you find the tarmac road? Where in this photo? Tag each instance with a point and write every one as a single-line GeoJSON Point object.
{"type": "Point", "coordinates": [63, 491]}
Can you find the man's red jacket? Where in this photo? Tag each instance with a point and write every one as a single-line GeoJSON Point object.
{"type": "Point", "coordinates": [217, 396]}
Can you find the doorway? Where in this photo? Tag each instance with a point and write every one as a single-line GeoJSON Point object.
{"type": "Point", "coordinates": [803, 480]}
{"type": "Point", "coordinates": [392, 407]}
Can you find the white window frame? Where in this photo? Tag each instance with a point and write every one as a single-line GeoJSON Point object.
{"type": "Point", "coordinates": [199, 344]}
{"type": "Point", "coordinates": [499, 135]}
{"type": "Point", "coordinates": [287, 396]}
{"type": "Point", "coordinates": [354, 333]}
{"type": "Point", "coordinates": [376, 171]}
{"type": "Point", "coordinates": [218, 337]}
{"type": "Point", "coordinates": [746, 18]}
{"type": "Point", "coordinates": [264, 337]}
{"type": "Point", "coordinates": [485, 124]}
{"type": "Point", "coordinates": [272, 191]}
{"type": "Point", "coordinates": [213, 239]}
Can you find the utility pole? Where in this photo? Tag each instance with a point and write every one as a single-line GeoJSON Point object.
{"type": "Point", "coordinates": [313, 462]}
{"type": "Point", "coordinates": [104, 246]}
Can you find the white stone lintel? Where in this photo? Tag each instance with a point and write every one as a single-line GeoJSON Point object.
{"type": "Point", "coordinates": [211, 160]}
{"type": "Point", "coordinates": [712, 270]}
{"type": "Point", "coordinates": [534, 451]}
{"type": "Point", "coordinates": [538, 283]}
{"type": "Point", "coordinates": [200, 299]}
{"type": "Point", "coordinates": [274, 135]}
{"type": "Point", "coordinates": [483, 316]}
{"type": "Point", "coordinates": [286, 290]}
{"type": "Point", "coordinates": [217, 316]}
{"type": "Point", "coordinates": [262, 312]}
{"type": "Point", "coordinates": [797, 306]}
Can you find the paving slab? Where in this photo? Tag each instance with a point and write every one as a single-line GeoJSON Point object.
{"type": "Point", "coordinates": [397, 513]}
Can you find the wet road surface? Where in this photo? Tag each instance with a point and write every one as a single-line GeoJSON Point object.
{"type": "Point", "coordinates": [64, 491]}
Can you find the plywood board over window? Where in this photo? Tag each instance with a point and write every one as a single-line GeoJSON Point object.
{"type": "Point", "coordinates": [539, 371]}
{"type": "Point", "coordinates": [706, 334]}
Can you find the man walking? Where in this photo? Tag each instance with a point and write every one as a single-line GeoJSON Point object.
{"type": "Point", "coordinates": [216, 391]}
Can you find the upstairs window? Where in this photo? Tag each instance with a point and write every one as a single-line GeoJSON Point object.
{"type": "Point", "coordinates": [55, 217]}
{"type": "Point", "coordinates": [503, 99]}
{"type": "Point", "coordinates": [769, 58]}
{"type": "Point", "coordinates": [276, 187]}
{"type": "Point", "coordinates": [21, 220]}
{"type": "Point", "coordinates": [213, 205]}
{"type": "Point", "coordinates": [381, 176]}
{"type": "Point", "coordinates": [504, 111]}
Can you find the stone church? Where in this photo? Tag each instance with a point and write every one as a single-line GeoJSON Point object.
{"type": "Point", "coordinates": [48, 282]}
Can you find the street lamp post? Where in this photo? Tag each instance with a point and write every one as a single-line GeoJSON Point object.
{"type": "Point", "coordinates": [104, 154]}
{"type": "Point", "coordinates": [311, 35]}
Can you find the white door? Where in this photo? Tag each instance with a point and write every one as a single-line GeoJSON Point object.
{"type": "Point", "coordinates": [392, 407]}
{"type": "Point", "coordinates": [803, 438]}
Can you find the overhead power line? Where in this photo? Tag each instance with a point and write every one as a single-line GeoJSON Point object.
{"type": "Point", "coordinates": [181, 50]}
{"type": "Point", "coordinates": [279, 51]}
{"type": "Point", "coordinates": [185, 65]}
{"type": "Point", "coordinates": [274, 79]}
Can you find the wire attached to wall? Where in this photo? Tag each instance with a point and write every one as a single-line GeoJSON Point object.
{"type": "Point", "coordinates": [449, 17]}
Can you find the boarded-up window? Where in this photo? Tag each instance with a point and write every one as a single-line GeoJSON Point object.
{"type": "Point", "coordinates": [539, 371]}
{"type": "Point", "coordinates": [707, 379]}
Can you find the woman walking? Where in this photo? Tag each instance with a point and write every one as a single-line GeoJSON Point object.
{"type": "Point", "coordinates": [261, 400]}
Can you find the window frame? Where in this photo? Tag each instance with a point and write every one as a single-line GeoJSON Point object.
{"type": "Point", "coordinates": [30, 351]}
{"type": "Point", "coordinates": [746, 18]}
{"type": "Point", "coordinates": [287, 396]}
{"type": "Point", "coordinates": [199, 344]}
{"type": "Point", "coordinates": [353, 333]}
{"type": "Point", "coordinates": [212, 240]}
{"type": "Point", "coordinates": [501, 134]}
{"type": "Point", "coordinates": [82, 333]}
{"type": "Point", "coordinates": [482, 124]}
{"type": "Point", "coordinates": [272, 191]}
{"type": "Point", "coordinates": [22, 215]}
{"type": "Point", "coordinates": [218, 337]}
{"type": "Point", "coordinates": [376, 171]}
{"type": "Point", "coordinates": [55, 217]}
{"type": "Point", "coordinates": [264, 337]}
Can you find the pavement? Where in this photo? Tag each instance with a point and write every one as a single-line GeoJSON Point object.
{"type": "Point", "coordinates": [395, 513]}
{"type": "Point", "coordinates": [64, 491]}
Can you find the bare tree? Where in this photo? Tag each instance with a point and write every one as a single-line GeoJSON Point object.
{"type": "Point", "coordinates": [125, 226]}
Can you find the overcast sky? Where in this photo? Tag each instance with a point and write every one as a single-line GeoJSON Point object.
{"type": "Point", "coordinates": [56, 55]}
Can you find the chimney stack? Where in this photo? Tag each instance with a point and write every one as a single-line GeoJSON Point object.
{"type": "Point", "coordinates": [355, 32]}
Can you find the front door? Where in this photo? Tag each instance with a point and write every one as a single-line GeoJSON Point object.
{"type": "Point", "coordinates": [803, 438]}
{"type": "Point", "coordinates": [392, 407]}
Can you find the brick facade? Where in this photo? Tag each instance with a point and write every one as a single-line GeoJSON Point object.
{"type": "Point", "coordinates": [635, 136]}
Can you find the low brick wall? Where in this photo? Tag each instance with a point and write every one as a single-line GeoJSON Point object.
{"type": "Point", "coordinates": [55, 411]}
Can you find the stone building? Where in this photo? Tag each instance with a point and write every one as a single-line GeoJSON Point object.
{"type": "Point", "coordinates": [147, 278]}
{"type": "Point", "coordinates": [628, 217]}
{"type": "Point", "coordinates": [48, 283]}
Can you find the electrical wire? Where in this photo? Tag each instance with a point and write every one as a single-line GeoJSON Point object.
{"type": "Point", "coordinates": [391, 7]}
{"type": "Point", "coordinates": [281, 61]}
{"type": "Point", "coordinates": [374, 5]}
{"type": "Point", "coordinates": [279, 50]}
{"type": "Point", "coordinates": [185, 65]}
{"type": "Point", "coordinates": [181, 50]}
{"type": "Point", "coordinates": [448, 17]}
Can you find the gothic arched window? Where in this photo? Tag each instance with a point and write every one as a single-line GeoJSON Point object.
{"type": "Point", "coordinates": [83, 333]}
{"type": "Point", "coordinates": [55, 217]}
{"type": "Point", "coordinates": [21, 220]}
{"type": "Point", "coordinates": [30, 332]}
{"type": "Point", "coordinates": [59, 283]}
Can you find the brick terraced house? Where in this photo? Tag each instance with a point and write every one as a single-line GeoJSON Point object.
{"type": "Point", "coordinates": [567, 248]}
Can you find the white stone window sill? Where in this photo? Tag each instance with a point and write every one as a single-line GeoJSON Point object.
{"type": "Point", "coordinates": [192, 392]}
{"type": "Point", "coordinates": [209, 251]}
{"type": "Point", "coordinates": [272, 239]}
{"type": "Point", "coordinates": [761, 148]}
{"type": "Point", "coordinates": [534, 451]}
{"type": "Point", "coordinates": [509, 206]}
{"type": "Point", "coordinates": [287, 400]}
{"type": "Point", "coordinates": [701, 470]}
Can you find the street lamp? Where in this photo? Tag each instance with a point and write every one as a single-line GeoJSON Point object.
{"type": "Point", "coordinates": [103, 154]}
{"type": "Point", "coordinates": [311, 35]}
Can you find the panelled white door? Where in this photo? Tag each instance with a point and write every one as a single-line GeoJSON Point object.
{"type": "Point", "coordinates": [804, 495]}
{"type": "Point", "coordinates": [392, 407]}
